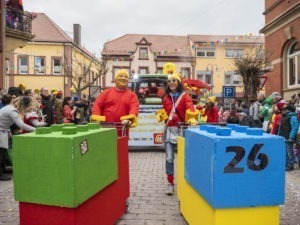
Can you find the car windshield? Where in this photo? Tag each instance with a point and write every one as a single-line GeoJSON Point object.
{"type": "Point", "coordinates": [150, 91]}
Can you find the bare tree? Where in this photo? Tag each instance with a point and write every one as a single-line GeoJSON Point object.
{"type": "Point", "coordinates": [252, 65]}
{"type": "Point", "coordinates": [79, 71]}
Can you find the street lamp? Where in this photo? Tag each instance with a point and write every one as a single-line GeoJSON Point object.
{"type": "Point", "coordinates": [212, 68]}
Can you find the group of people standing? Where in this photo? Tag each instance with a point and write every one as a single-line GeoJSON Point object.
{"type": "Point", "coordinates": [118, 104]}
{"type": "Point", "coordinates": [23, 111]}
{"type": "Point", "coordinates": [274, 115]}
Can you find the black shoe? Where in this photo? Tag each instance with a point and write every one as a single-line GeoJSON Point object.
{"type": "Point", "coordinates": [8, 170]}
{"type": "Point", "coordinates": [289, 168]}
{"type": "Point", "coordinates": [5, 177]}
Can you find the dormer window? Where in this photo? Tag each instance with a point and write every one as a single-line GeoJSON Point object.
{"type": "Point", "coordinates": [143, 53]}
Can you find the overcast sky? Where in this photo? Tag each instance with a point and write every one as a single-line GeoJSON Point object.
{"type": "Point", "coordinates": [105, 20]}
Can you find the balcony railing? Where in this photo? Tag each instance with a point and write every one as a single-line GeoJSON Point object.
{"type": "Point", "coordinates": [18, 20]}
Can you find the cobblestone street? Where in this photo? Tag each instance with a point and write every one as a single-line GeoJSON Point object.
{"type": "Point", "coordinates": [148, 203]}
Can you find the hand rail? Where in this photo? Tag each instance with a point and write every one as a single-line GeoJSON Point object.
{"type": "Point", "coordinates": [19, 20]}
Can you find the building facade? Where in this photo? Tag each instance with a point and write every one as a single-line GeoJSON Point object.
{"type": "Point", "coordinates": [215, 56]}
{"type": "Point", "coordinates": [12, 36]}
{"type": "Point", "coordinates": [282, 43]}
{"type": "Point", "coordinates": [209, 58]}
{"type": "Point", "coordinates": [146, 54]}
{"type": "Point", "coordinates": [52, 59]}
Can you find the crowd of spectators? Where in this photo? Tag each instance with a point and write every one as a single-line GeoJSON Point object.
{"type": "Point", "coordinates": [22, 110]}
{"type": "Point", "coordinates": [273, 114]}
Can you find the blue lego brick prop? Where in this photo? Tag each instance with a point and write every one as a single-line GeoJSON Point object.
{"type": "Point", "coordinates": [235, 167]}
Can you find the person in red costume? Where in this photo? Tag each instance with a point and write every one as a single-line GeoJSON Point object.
{"type": "Point", "coordinates": [177, 107]}
{"type": "Point", "coordinates": [210, 110]}
{"type": "Point", "coordinates": [117, 104]}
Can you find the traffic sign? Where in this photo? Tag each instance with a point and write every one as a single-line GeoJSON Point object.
{"type": "Point", "coordinates": [228, 91]}
{"type": "Point", "coordinates": [263, 80]}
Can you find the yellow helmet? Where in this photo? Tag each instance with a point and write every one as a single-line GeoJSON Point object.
{"type": "Point", "coordinates": [37, 91]}
{"type": "Point", "coordinates": [72, 90]}
{"type": "Point", "coordinates": [22, 86]}
{"type": "Point", "coordinates": [212, 99]}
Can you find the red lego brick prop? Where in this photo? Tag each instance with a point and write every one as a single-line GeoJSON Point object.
{"type": "Point", "coordinates": [104, 208]}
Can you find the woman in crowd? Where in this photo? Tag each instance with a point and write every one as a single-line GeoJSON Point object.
{"type": "Point", "coordinates": [8, 115]}
{"type": "Point", "coordinates": [179, 107]}
{"type": "Point", "coordinates": [31, 115]}
{"type": "Point", "coordinates": [210, 110]}
{"type": "Point", "coordinates": [69, 110]}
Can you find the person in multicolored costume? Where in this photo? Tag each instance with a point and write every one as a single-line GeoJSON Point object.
{"type": "Point", "coordinates": [177, 107]}
{"type": "Point", "coordinates": [117, 104]}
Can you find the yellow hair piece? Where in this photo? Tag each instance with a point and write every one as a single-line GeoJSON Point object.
{"type": "Point", "coordinates": [175, 76]}
{"type": "Point", "coordinates": [212, 99]}
{"type": "Point", "coordinates": [37, 91]}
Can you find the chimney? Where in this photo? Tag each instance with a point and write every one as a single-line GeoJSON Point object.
{"type": "Point", "coordinates": [77, 34]}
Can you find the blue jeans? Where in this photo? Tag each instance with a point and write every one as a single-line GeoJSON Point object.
{"type": "Point", "coordinates": [170, 156]}
{"type": "Point", "coordinates": [289, 154]}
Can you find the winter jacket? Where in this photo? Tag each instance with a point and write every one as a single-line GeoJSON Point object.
{"type": "Point", "coordinates": [289, 125]}
{"type": "Point", "coordinates": [114, 103]}
{"type": "Point", "coordinates": [179, 115]}
{"type": "Point", "coordinates": [8, 116]}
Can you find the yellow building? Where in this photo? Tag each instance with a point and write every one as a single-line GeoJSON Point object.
{"type": "Point", "coordinates": [12, 36]}
{"type": "Point", "coordinates": [215, 56]}
{"type": "Point", "coordinates": [52, 59]}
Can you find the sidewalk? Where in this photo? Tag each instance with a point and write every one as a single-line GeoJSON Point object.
{"type": "Point", "coordinates": [148, 203]}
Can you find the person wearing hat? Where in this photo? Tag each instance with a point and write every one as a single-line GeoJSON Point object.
{"type": "Point", "coordinates": [210, 111]}
{"type": "Point", "coordinates": [8, 116]}
{"type": "Point", "coordinates": [177, 107]}
{"type": "Point", "coordinates": [288, 129]}
{"type": "Point", "coordinates": [117, 104]}
{"type": "Point", "coordinates": [276, 117]}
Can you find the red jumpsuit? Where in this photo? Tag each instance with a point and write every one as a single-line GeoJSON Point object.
{"type": "Point", "coordinates": [113, 103]}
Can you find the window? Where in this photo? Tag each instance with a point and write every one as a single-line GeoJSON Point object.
{"type": "Point", "coordinates": [39, 64]}
{"type": "Point", "coordinates": [23, 64]}
{"type": "Point", "coordinates": [205, 52]}
{"type": "Point", "coordinates": [159, 70]}
{"type": "Point", "coordinates": [205, 76]}
{"type": "Point", "coordinates": [293, 64]}
{"type": "Point", "coordinates": [185, 72]}
{"type": "Point", "coordinates": [232, 78]}
{"type": "Point", "coordinates": [151, 90]}
{"type": "Point", "coordinates": [143, 53]}
{"type": "Point", "coordinates": [56, 66]}
{"type": "Point", "coordinates": [143, 70]}
{"type": "Point", "coordinates": [234, 53]}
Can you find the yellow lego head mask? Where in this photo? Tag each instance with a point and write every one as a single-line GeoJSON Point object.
{"type": "Point", "coordinates": [122, 79]}
{"type": "Point", "coordinates": [169, 68]}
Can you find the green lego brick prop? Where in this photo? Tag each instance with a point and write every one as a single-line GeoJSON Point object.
{"type": "Point", "coordinates": [64, 166]}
